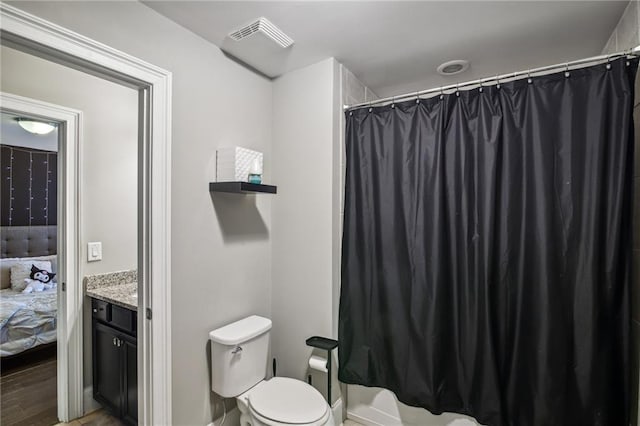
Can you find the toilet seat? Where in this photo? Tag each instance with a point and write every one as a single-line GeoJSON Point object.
{"type": "Point", "coordinates": [283, 400]}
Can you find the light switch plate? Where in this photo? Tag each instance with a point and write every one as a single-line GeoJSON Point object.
{"type": "Point", "coordinates": [94, 251]}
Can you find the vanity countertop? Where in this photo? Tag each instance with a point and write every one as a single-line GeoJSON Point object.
{"type": "Point", "coordinates": [119, 288]}
{"type": "Point", "coordinates": [124, 295]}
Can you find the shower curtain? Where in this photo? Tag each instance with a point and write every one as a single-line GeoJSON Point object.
{"type": "Point", "coordinates": [486, 250]}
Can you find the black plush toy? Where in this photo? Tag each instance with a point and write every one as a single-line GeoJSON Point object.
{"type": "Point", "coordinates": [40, 280]}
{"type": "Point", "coordinates": [41, 275]}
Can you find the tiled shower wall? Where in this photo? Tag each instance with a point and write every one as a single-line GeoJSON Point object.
{"type": "Point", "coordinates": [352, 91]}
{"type": "Point", "coordinates": [626, 35]}
{"type": "Point", "coordinates": [635, 287]}
{"type": "Point", "coordinates": [372, 405]}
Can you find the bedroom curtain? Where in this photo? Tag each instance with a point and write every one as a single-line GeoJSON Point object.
{"type": "Point", "coordinates": [486, 250]}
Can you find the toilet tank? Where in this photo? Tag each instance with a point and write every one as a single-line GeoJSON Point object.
{"type": "Point", "coordinates": [239, 355]}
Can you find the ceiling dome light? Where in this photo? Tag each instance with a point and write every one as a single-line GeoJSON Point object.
{"type": "Point", "coordinates": [453, 67]}
{"type": "Point", "coordinates": [36, 127]}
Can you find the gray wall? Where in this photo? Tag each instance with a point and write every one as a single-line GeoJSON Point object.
{"type": "Point", "coordinates": [109, 152]}
{"type": "Point", "coordinates": [109, 158]}
{"type": "Point", "coordinates": [303, 132]}
{"type": "Point", "coordinates": [221, 249]}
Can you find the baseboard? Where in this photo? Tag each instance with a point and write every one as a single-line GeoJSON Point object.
{"type": "Point", "coordinates": [233, 419]}
{"type": "Point", "coordinates": [368, 420]}
{"type": "Point", "coordinates": [88, 403]}
{"type": "Point", "coordinates": [337, 411]}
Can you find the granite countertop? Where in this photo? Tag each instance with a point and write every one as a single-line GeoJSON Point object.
{"type": "Point", "coordinates": [122, 295]}
{"type": "Point", "coordinates": [119, 288]}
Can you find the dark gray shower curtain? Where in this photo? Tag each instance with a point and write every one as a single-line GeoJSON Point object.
{"type": "Point", "coordinates": [486, 250]}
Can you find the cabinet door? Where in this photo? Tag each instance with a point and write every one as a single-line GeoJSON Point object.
{"type": "Point", "coordinates": [107, 379]}
{"type": "Point", "coordinates": [130, 356]}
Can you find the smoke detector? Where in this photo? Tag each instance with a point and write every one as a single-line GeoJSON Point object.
{"type": "Point", "coordinates": [453, 67]}
{"type": "Point", "coordinates": [261, 45]}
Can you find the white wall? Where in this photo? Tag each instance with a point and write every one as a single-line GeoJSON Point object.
{"type": "Point", "coordinates": [303, 135]}
{"type": "Point", "coordinates": [221, 248]}
{"type": "Point", "coordinates": [109, 156]}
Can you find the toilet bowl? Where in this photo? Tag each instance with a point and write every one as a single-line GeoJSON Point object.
{"type": "Point", "coordinates": [239, 358]}
{"type": "Point", "coordinates": [283, 401]}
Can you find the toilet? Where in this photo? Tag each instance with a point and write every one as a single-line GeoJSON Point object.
{"type": "Point", "coordinates": [239, 360]}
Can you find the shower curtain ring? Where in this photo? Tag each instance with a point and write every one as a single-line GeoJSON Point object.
{"type": "Point", "coordinates": [497, 82]}
{"type": "Point", "coordinates": [481, 88]}
{"type": "Point", "coordinates": [529, 80]}
{"type": "Point", "coordinates": [457, 90]}
{"type": "Point", "coordinates": [418, 97]}
{"type": "Point", "coordinates": [393, 102]}
{"type": "Point", "coordinates": [609, 62]}
{"type": "Point", "coordinates": [441, 93]}
{"type": "Point", "coordinates": [566, 70]}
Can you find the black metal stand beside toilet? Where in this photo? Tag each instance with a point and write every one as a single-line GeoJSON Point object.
{"type": "Point", "coordinates": [327, 345]}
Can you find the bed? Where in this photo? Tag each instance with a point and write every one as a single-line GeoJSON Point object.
{"type": "Point", "coordinates": [27, 321]}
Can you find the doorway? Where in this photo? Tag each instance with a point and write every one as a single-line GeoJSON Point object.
{"type": "Point", "coordinates": [28, 295]}
{"type": "Point", "coordinates": [44, 336]}
{"type": "Point", "coordinates": [31, 34]}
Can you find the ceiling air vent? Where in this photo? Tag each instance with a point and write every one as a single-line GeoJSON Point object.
{"type": "Point", "coordinates": [264, 26]}
{"type": "Point", "coordinates": [261, 46]}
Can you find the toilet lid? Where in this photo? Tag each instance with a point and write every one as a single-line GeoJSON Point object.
{"type": "Point", "coordinates": [288, 401]}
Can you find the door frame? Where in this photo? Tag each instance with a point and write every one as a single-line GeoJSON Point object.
{"type": "Point", "coordinates": [42, 38]}
{"type": "Point", "coordinates": [69, 324]}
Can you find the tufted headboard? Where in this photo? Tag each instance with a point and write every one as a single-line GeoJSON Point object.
{"type": "Point", "coordinates": [28, 241]}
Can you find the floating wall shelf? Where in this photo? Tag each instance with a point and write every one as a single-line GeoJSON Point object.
{"type": "Point", "coordinates": [242, 188]}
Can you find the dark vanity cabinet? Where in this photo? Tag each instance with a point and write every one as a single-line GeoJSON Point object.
{"type": "Point", "coordinates": [115, 371]}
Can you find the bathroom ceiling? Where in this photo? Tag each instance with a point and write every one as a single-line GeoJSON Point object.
{"type": "Point", "coordinates": [395, 47]}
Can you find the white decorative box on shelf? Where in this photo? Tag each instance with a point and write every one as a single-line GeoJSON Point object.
{"type": "Point", "coordinates": [235, 163]}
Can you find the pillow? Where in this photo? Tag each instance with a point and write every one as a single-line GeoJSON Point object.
{"type": "Point", "coordinates": [7, 263]}
{"type": "Point", "coordinates": [22, 270]}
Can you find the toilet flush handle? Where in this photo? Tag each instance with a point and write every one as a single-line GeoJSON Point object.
{"type": "Point", "coordinates": [237, 350]}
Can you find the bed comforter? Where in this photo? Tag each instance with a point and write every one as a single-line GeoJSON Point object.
{"type": "Point", "coordinates": [26, 320]}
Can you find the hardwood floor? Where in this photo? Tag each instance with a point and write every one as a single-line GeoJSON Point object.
{"type": "Point", "coordinates": [28, 394]}
{"type": "Point", "coordinates": [95, 418]}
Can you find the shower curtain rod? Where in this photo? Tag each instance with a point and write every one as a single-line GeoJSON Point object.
{"type": "Point", "coordinates": [496, 79]}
